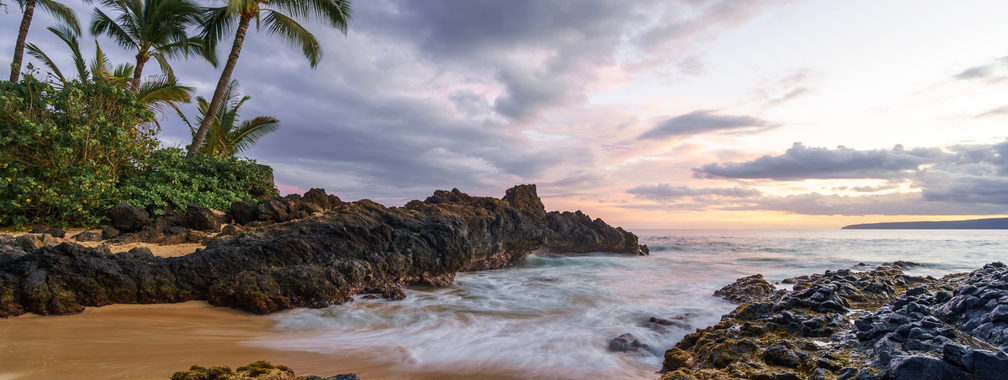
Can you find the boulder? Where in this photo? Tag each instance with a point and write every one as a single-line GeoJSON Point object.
{"type": "Point", "coordinates": [276, 210]}
{"type": "Point", "coordinates": [746, 289]}
{"type": "Point", "coordinates": [88, 236]}
{"type": "Point", "coordinates": [127, 218]}
{"type": "Point", "coordinates": [202, 218]}
{"type": "Point", "coordinates": [244, 212]}
{"type": "Point", "coordinates": [55, 232]}
{"type": "Point", "coordinates": [230, 229]}
{"type": "Point", "coordinates": [109, 232]}
{"type": "Point", "coordinates": [260, 370]}
{"type": "Point", "coordinates": [628, 343]}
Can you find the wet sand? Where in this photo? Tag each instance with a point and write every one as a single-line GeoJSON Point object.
{"type": "Point", "coordinates": [154, 341]}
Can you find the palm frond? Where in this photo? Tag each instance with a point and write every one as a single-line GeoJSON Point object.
{"type": "Point", "coordinates": [336, 13]}
{"type": "Point", "coordinates": [69, 36]}
{"type": "Point", "coordinates": [101, 23]}
{"type": "Point", "coordinates": [61, 13]}
{"type": "Point", "coordinates": [225, 137]}
{"type": "Point", "coordinates": [160, 92]}
{"type": "Point", "coordinates": [99, 65]}
{"type": "Point", "coordinates": [166, 68]}
{"type": "Point", "coordinates": [35, 51]}
{"type": "Point", "coordinates": [250, 131]}
{"type": "Point", "coordinates": [216, 23]}
{"type": "Point", "coordinates": [287, 28]}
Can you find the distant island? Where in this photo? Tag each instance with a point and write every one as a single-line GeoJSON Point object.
{"type": "Point", "coordinates": [973, 224]}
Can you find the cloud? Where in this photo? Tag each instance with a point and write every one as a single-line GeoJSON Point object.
{"type": "Point", "coordinates": [873, 189]}
{"type": "Point", "coordinates": [666, 192]}
{"type": "Point", "coordinates": [1003, 110]}
{"type": "Point", "coordinates": [993, 71]}
{"type": "Point", "coordinates": [699, 122]}
{"type": "Point", "coordinates": [955, 180]}
{"type": "Point", "coordinates": [528, 93]}
{"type": "Point", "coordinates": [882, 204]}
{"type": "Point", "coordinates": [802, 162]}
{"type": "Point", "coordinates": [469, 103]}
{"type": "Point", "coordinates": [792, 94]}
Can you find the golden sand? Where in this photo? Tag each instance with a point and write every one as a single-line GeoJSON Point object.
{"type": "Point", "coordinates": [154, 341]}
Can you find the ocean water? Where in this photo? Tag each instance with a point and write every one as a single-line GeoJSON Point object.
{"type": "Point", "coordinates": [553, 315]}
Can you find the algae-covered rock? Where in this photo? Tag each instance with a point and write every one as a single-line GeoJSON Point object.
{"type": "Point", "coordinates": [877, 324]}
{"type": "Point", "coordinates": [260, 370]}
{"type": "Point", "coordinates": [746, 289]}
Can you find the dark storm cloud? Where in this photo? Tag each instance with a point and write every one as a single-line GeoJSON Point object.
{"type": "Point", "coordinates": [667, 192]}
{"type": "Point", "coordinates": [699, 122]}
{"type": "Point", "coordinates": [802, 162]}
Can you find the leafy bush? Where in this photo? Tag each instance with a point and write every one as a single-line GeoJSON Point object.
{"type": "Point", "coordinates": [170, 181]}
{"type": "Point", "coordinates": [62, 149]}
{"type": "Point", "coordinates": [68, 154]}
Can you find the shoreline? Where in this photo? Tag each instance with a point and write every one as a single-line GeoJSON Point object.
{"type": "Point", "coordinates": [155, 341]}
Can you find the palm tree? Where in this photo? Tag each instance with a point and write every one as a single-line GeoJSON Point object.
{"type": "Point", "coordinates": [157, 94]}
{"type": "Point", "coordinates": [59, 11]}
{"type": "Point", "coordinates": [269, 15]}
{"type": "Point", "coordinates": [225, 138]}
{"type": "Point", "coordinates": [153, 28]}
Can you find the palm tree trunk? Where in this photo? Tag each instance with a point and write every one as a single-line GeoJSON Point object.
{"type": "Point", "coordinates": [29, 11]}
{"type": "Point", "coordinates": [222, 85]}
{"type": "Point", "coordinates": [141, 60]}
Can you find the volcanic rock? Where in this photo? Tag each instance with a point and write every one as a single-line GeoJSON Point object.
{"type": "Point", "coordinates": [358, 247]}
{"type": "Point", "coordinates": [244, 212]}
{"type": "Point", "coordinates": [904, 327]}
{"type": "Point", "coordinates": [88, 236]}
{"type": "Point", "coordinates": [202, 218]}
{"type": "Point", "coordinates": [260, 370]}
{"type": "Point", "coordinates": [127, 218]}
{"type": "Point", "coordinates": [628, 343]}
{"type": "Point", "coordinates": [746, 289]}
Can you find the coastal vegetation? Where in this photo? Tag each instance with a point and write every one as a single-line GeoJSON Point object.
{"type": "Point", "coordinates": [86, 138]}
{"type": "Point", "coordinates": [227, 135]}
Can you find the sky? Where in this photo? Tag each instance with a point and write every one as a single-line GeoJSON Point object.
{"type": "Point", "coordinates": [648, 114]}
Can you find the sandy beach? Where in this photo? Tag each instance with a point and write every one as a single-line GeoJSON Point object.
{"type": "Point", "coordinates": [154, 341]}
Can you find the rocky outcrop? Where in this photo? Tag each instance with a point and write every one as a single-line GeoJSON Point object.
{"type": "Point", "coordinates": [321, 260]}
{"type": "Point", "coordinates": [260, 370]}
{"type": "Point", "coordinates": [877, 324]}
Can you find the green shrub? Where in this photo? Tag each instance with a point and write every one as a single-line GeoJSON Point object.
{"type": "Point", "coordinates": [62, 150]}
{"type": "Point", "coordinates": [169, 181]}
{"type": "Point", "coordinates": [68, 154]}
